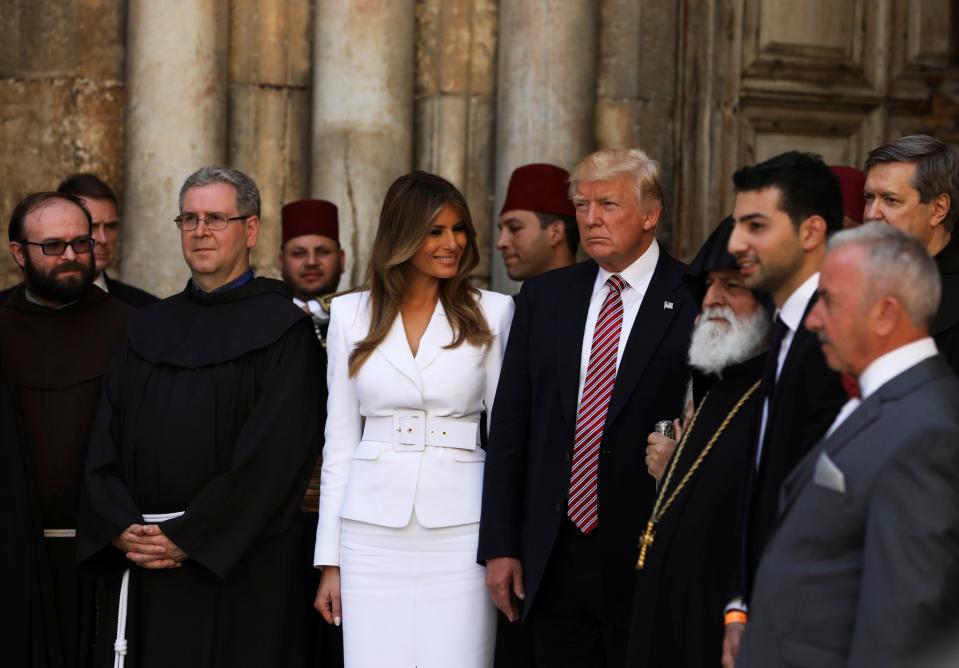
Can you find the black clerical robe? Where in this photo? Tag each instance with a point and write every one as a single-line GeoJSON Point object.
{"type": "Point", "coordinates": [677, 619]}
{"type": "Point", "coordinates": [213, 406]}
{"type": "Point", "coordinates": [945, 329]}
{"type": "Point", "coordinates": [28, 626]}
{"type": "Point", "coordinates": [55, 359]}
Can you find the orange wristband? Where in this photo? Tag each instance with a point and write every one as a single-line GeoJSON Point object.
{"type": "Point", "coordinates": [734, 617]}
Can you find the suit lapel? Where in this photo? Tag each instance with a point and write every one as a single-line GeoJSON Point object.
{"type": "Point", "coordinates": [396, 349]}
{"type": "Point", "coordinates": [569, 340]}
{"type": "Point", "coordinates": [652, 322]}
{"type": "Point", "coordinates": [867, 413]}
{"type": "Point", "coordinates": [437, 335]}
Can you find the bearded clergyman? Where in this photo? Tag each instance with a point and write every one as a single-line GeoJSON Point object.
{"type": "Point", "coordinates": [690, 545]}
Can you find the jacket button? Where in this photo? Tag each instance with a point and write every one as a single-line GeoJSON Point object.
{"type": "Point", "coordinates": [559, 507]}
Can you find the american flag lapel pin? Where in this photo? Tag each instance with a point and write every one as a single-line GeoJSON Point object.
{"type": "Point", "coordinates": [668, 305]}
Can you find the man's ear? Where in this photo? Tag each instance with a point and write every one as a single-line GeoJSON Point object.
{"type": "Point", "coordinates": [252, 231]}
{"type": "Point", "coordinates": [556, 233]}
{"type": "Point", "coordinates": [812, 232]}
{"type": "Point", "coordinates": [651, 216]}
{"type": "Point", "coordinates": [940, 208]}
{"type": "Point", "coordinates": [17, 250]}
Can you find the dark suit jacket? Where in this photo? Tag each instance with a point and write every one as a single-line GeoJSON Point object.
{"type": "Point", "coordinates": [863, 572]}
{"type": "Point", "coordinates": [808, 397]}
{"type": "Point", "coordinates": [534, 416]}
{"type": "Point", "coordinates": [128, 294]}
{"type": "Point", "coordinates": [945, 329]}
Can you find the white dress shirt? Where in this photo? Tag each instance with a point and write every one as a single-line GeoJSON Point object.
{"type": "Point", "coordinates": [637, 277]}
{"type": "Point", "coordinates": [883, 369]}
{"type": "Point", "coordinates": [791, 314]}
{"type": "Point", "coordinates": [101, 282]}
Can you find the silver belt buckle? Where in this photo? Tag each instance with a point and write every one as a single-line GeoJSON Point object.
{"type": "Point", "coordinates": [409, 431]}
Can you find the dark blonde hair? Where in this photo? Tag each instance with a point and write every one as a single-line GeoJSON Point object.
{"type": "Point", "coordinates": [409, 209]}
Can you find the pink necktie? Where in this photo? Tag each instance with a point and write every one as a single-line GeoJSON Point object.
{"type": "Point", "coordinates": [583, 506]}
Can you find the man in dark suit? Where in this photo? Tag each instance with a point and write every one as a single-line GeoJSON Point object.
{"type": "Point", "coordinates": [784, 210]}
{"type": "Point", "coordinates": [596, 356]}
{"type": "Point", "coordinates": [912, 183]}
{"type": "Point", "coordinates": [101, 202]}
{"type": "Point", "coordinates": [861, 569]}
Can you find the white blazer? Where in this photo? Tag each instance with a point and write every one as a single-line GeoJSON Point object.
{"type": "Point", "coordinates": [377, 482]}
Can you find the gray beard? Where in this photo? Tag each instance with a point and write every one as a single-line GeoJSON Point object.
{"type": "Point", "coordinates": [716, 346]}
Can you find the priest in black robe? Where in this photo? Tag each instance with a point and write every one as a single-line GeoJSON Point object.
{"type": "Point", "coordinates": [29, 632]}
{"type": "Point", "coordinates": [692, 543]}
{"type": "Point", "coordinates": [208, 426]}
{"type": "Point", "coordinates": [57, 335]}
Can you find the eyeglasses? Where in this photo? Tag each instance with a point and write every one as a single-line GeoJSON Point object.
{"type": "Point", "coordinates": [214, 221]}
{"type": "Point", "coordinates": [80, 245]}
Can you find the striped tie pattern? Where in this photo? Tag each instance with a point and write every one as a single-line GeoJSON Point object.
{"type": "Point", "coordinates": [583, 506]}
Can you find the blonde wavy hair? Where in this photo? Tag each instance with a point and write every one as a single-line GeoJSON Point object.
{"type": "Point", "coordinates": [409, 209]}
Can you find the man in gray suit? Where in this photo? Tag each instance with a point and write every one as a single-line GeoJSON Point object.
{"type": "Point", "coordinates": [862, 567]}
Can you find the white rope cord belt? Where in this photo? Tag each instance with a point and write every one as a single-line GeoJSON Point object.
{"type": "Point", "coordinates": [59, 533]}
{"type": "Point", "coordinates": [120, 644]}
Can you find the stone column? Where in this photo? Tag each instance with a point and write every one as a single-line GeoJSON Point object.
{"type": "Point", "coordinates": [546, 91]}
{"type": "Point", "coordinates": [637, 86]}
{"type": "Point", "coordinates": [269, 109]}
{"type": "Point", "coordinates": [362, 113]}
{"type": "Point", "coordinates": [455, 85]}
{"type": "Point", "coordinates": [175, 122]}
{"type": "Point", "coordinates": [61, 95]}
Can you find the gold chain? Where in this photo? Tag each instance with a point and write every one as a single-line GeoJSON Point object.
{"type": "Point", "coordinates": [647, 539]}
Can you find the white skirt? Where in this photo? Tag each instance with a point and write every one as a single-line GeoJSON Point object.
{"type": "Point", "coordinates": [414, 597]}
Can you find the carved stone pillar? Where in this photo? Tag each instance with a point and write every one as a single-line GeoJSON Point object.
{"type": "Point", "coordinates": [546, 91]}
{"type": "Point", "coordinates": [269, 109]}
{"type": "Point", "coordinates": [362, 113]}
{"type": "Point", "coordinates": [175, 123]}
{"type": "Point", "coordinates": [455, 86]}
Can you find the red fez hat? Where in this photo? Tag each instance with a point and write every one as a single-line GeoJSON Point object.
{"type": "Point", "coordinates": [310, 216]}
{"type": "Point", "coordinates": [539, 187]}
{"type": "Point", "coordinates": [851, 182]}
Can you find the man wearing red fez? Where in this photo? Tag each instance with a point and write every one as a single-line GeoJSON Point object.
{"type": "Point", "coordinates": [311, 262]}
{"type": "Point", "coordinates": [537, 224]}
{"type": "Point", "coordinates": [311, 259]}
{"type": "Point", "coordinates": [851, 182]}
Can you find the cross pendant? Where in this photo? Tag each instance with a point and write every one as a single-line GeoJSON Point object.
{"type": "Point", "coordinates": [644, 542]}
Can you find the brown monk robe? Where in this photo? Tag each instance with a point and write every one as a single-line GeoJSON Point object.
{"type": "Point", "coordinates": [55, 359]}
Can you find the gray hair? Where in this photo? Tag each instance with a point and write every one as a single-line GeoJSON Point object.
{"type": "Point", "coordinates": [613, 162]}
{"type": "Point", "coordinates": [897, 265]}
{"type": "Point", "coordinates": [247, 194]}
{"type": "Point", "coordinates": [937, 168]}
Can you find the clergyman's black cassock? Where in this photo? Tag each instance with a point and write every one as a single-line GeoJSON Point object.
{"type": "Point", "coordinates": [945, 328]}
{"type": "Point", "coordinates": [28, 621]}
{"type": "Point", "coordinates": [212, 406]}
{"type": "Point", "coordinates": [677, 616]}
{"type": "Point", "coordinates": [55, 358]}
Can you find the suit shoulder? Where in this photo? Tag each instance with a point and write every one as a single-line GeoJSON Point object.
{"type": "Point", "coordinates": [495, 302]}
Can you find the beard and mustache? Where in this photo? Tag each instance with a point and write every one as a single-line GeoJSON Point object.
{"type": "Point", "coordinates": [59, 289]}
{"type": "Point", "coordinates": [718, 345]}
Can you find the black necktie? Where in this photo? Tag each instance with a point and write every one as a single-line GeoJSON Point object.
{"type": "Point", "coordinates": [772, 358]}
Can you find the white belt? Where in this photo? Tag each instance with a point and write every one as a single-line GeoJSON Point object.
{"type": "Point", "coordinates": [412, 431]}
{"type": "Point", "coordinates": [59, 533]}
{"type": "Point", "coordinates": [120, 644]}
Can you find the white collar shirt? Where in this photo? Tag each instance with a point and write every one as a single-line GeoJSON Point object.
{"type": "Point", "coordinates": [791, 314]}
{"type": "Point", "coordinates": [637, 277]}
{"type": "Point", "coordinates": [883, 369]}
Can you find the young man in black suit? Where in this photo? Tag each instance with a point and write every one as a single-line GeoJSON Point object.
{"type": "Point", "coordinates": [101, 202]}
{"type": "Point", "coordinates": [596, 356]}
{"type": "Point", "coordinates": [785, 209]}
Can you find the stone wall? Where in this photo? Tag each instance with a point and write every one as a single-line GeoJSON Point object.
{"type": "Point", "coordinates": [336, 98]}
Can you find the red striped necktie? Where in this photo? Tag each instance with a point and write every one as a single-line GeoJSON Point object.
{"type": "Point", "coordinates": [583, 506]}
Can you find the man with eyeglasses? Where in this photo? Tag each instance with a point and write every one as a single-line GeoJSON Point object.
{"type": "Point", "coordinates": [210, 420]}
{"type": "Point", "coordinates": [57, 335]}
